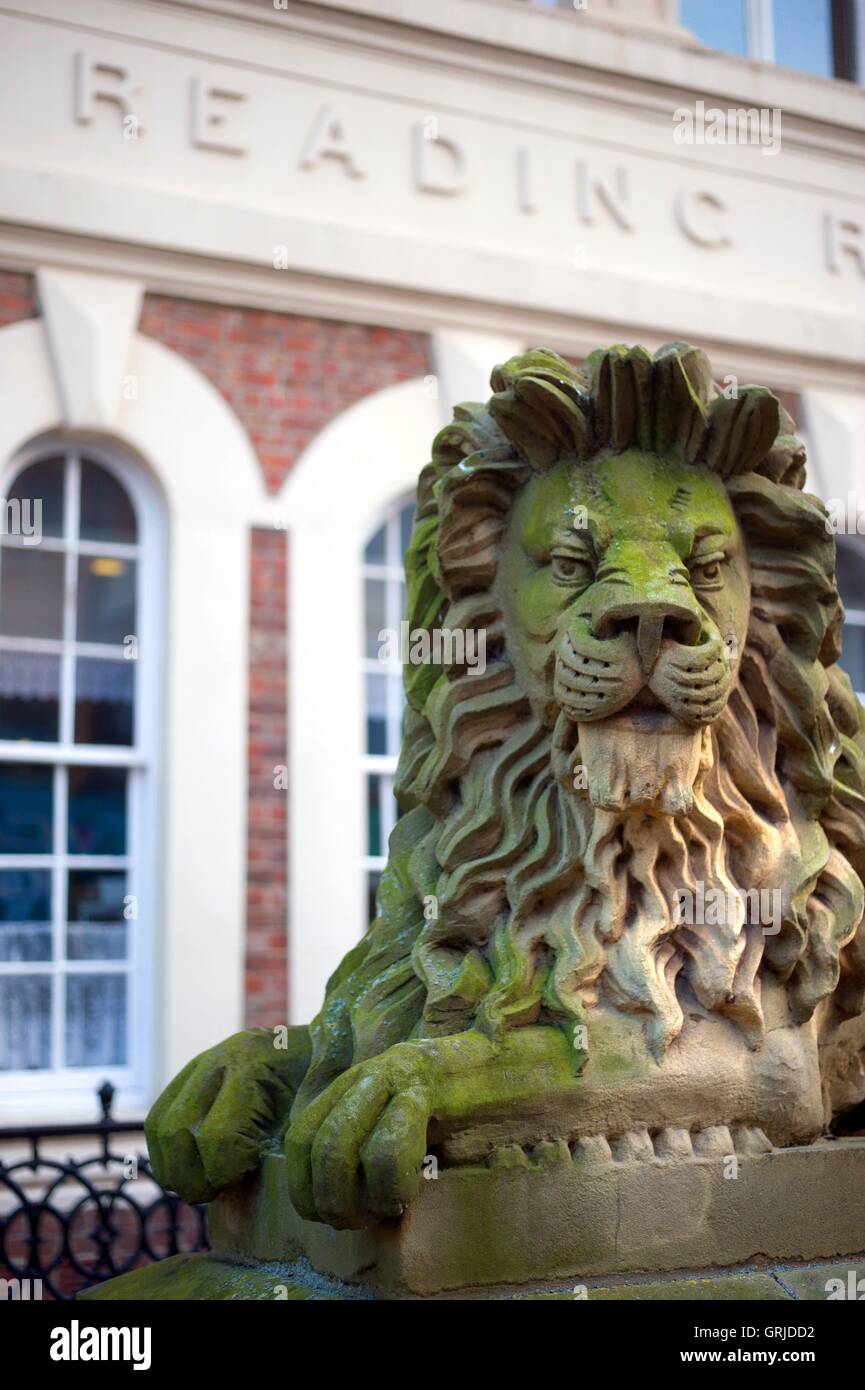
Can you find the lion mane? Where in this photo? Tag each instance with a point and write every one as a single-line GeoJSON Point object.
{"type": "Point", "coordinates": [508, 898]}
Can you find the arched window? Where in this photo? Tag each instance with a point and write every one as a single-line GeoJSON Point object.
{"type": "Point", "coordinates": [850, 569]}
{"type": "Point", "coordinates": [384, 609]}
{"type": "Point", "coordinates": [78, 636]}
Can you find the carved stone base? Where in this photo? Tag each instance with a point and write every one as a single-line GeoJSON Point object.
{"type": "Point", "coordinates": [665, 1202]}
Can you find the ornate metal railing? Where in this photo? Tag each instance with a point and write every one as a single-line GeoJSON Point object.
{"type": "Point", "coordinates": [68, 1223]}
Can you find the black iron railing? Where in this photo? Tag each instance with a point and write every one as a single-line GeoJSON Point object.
{"type": "Point", "coordinates": [68, 1223]}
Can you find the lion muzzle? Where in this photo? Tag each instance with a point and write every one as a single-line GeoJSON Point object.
{"type": "Point", "coordinates": [642, 699]}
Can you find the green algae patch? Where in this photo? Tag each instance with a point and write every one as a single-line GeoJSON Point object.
{"type": "Point", "coordinates": [191, 1278]}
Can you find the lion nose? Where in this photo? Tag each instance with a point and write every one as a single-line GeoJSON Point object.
{"type": "Point", "coordinates": [650, 623]}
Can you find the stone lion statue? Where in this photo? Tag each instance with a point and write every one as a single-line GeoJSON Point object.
{"type": "Point", "coordinates": [625, 888]}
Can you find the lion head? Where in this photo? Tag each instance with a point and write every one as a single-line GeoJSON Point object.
{"type": "Point", "coordinates": [661, 711]}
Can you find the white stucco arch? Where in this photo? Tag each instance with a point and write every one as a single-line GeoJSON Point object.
{"type": "Point", "coordinates": [82, 370]}
{"type": "Point", "coordinates": [334, 497]}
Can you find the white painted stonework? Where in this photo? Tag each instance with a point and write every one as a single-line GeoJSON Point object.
{"type": "Point", "coordinates": [90, 321]}
{"type": "Point", "coordinates": [534, 167]}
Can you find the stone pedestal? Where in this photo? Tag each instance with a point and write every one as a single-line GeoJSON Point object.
{"type": "Point", "coordinates": [650, 1203]}
{"type": "Point", "coordinates": [672, 1201]}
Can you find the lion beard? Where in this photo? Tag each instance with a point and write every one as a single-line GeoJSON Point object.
{"type": "Point", "coordinates": [548, 904]}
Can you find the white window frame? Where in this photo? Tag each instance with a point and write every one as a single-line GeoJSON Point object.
{"type": "Point", "coordinates": [760, 30]}
{"type": "Point", "coordinates": [58, 1086]}
{"type": "Point", "coordinates": [82, 367]}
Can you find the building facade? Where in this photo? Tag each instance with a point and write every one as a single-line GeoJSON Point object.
{"type": "Point", "coordinates": [251, 254]}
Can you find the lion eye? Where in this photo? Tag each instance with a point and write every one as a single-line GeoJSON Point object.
{"type": "Point", "coordinates": [568, 568]}
{"type": "Point", "coordinates": [708, 573]}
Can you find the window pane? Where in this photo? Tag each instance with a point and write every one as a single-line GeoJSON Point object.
{"type": "Point", "coordinates": [96, 929]}
{"type": "Point", "coordinates": [102, 942]}
{"type": "Point", "coordinates": [716, 25]}
{"type": "Point", "coordinates": [103, 700]}
{"type": "Point", "coordinates": [853, 655]}
{"type": "Point", "coordinates": [376, 713]}
{"type": "Point", "coordinates": [97, 810]}
{"type": "Point", "coordinates": [25, 1022]}
{"type": "Point", "coordinates": [374, 552]}
{"type": "Point", "coordinates": [803, 35]}
{"type": "Point", "coordinates": [29, 695]}
{"type": "Point", "coordinates": [375, 614]}
{"type": "Point", "coordinates": [25, 914]}
{"type": "Point", "coordinates": [375, 844]}
{"type": "Point", "coordinates": [26, 806]}
{"type": "Point", "coordinates": [95, 1020]}
{"type": "Point", "coordinates": [39, 492]}
{"type": "Point", "coordinates": [31, 592]}
{"type": "Point", "coordinates": [106, 511]}
{"type": "Point", "coordinates": [850, 572]}
{"type": "Point", "coordinates": [25, 895]}
{"type": "Point", "coordinates": [106, 598]}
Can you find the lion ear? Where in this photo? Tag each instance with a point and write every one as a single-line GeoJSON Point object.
{"type": "Point", "coordinates": [471, 429]}
{"type": "Point", "coordinates": [540, 405]}
{"type": "Point", "coordinates": [535, 433]}
{"type": "Point", "coordinates": [539, 362]}
{"type": "Point", "coordinates": [563, 413]}
{"type": "Point", "coordinates": [742, 430]}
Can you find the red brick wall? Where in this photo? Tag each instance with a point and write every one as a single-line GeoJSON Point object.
{"type": "Point", "coordinates": [266, 843]}
{"type": "Point", "coordinates": [285, 378]}
{"type": "Point", "coordinates": [17, 297]}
